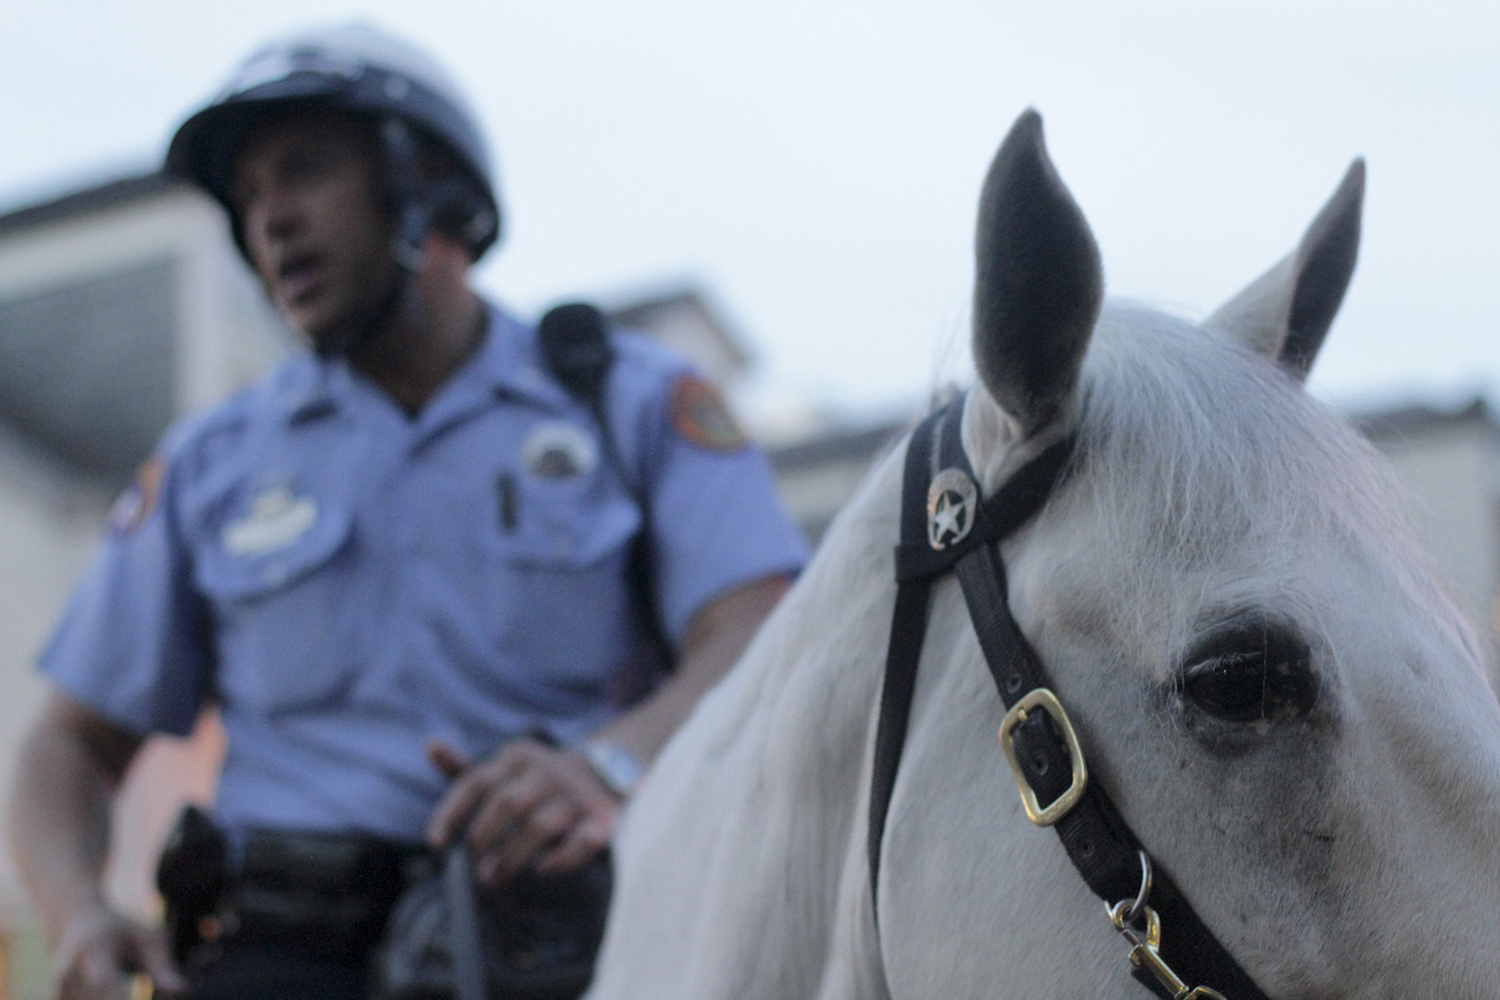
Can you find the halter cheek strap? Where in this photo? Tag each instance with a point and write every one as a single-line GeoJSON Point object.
{"type": "Point", "coordinates": [945, 526]}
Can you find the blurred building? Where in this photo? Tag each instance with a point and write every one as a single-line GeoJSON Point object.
{"type": "Point", "coordinates": [1449, 460]}
{"type": "Point", "coordinates": [125, 305]}
{"type": "Point", "coordinates": [121, 306]}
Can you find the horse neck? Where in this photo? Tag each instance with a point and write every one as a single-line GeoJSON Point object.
{"type": "Point", "coordinates": [770, 771]}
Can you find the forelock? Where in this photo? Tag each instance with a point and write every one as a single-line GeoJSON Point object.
{"type": "Point", "coordinates": [1215, 442]}
{"type": "Point", "coordinates": [1191, 447]}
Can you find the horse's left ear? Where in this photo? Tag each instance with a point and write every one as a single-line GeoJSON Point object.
{"type": "Point", "coordinates": [1038, 283]}
{"type": "Point", "coordinates": [1286, 312]}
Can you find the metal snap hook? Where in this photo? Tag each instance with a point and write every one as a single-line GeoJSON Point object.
{"type": "Point", "coordinates": [1145, 894]}
{"type": "Point", "coordinates": [1140, 925]}
{"type": "Point", "coordinates": [1118, 914]}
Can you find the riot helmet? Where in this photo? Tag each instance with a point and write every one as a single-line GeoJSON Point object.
{"type": "Point", "coordinates": [408, 97]}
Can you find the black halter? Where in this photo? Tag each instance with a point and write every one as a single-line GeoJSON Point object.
{"type": "Point", "coordinates": [945, 526]}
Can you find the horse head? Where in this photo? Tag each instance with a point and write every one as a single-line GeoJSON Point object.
{"type": "Point", "coordinates": [1288, 706]}
{"type": "Point", "coordinates": [1261, 669]}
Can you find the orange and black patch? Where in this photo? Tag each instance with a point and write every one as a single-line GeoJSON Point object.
{"type": "Point", "coordinates": [137, 503]}
{"type": "Point", "coordinates": [700, 416]}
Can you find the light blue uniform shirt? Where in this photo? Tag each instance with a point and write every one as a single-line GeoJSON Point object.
{"type": "Point", "coordinates": [349, 582]}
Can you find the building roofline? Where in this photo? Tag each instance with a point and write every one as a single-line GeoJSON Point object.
{"type": "Point", "coordinates": [664, 296]}
{"type": "Point", "coordinates": [120, 191]}
{"type": "Point", "coordinates": [1397, 421]}
{"type": "Point", "coordinates": [843, 443]}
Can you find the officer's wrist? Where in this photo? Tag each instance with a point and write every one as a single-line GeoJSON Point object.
{"type": "Point", "coordinates": [616, 767]}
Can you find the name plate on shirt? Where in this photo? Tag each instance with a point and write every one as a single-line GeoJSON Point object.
{"type": "Point", "coordinates": [277, 518]}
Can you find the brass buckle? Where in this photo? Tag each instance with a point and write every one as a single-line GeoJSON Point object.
{"type": "Point", "coordinates": [1064, 803]}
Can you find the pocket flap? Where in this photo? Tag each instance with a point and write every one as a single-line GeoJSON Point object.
{"type": "Point", "coordinates": [281, 539]}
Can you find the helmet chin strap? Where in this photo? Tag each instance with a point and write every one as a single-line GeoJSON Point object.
{"type": "Point", "coordinates": [414, 216]}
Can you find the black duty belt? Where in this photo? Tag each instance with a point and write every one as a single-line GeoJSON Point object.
{"type": "Point", "coordinates": [317, 894]}
{"type": "Point", "coordinates": [945, 525]}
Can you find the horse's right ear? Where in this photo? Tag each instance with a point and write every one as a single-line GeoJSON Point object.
{"type": "Point", "coordinates": [1038, 283]}
{"type": "Point", "coordinates": [1286, 312]}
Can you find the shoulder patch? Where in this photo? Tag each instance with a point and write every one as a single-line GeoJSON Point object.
{"type": "Point", "coordinates": [140, 498]}
{"type": "Point", "coordinates": [701, 418]}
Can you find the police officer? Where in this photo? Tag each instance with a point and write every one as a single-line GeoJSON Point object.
{"type": "Point", "coordinates": [400, 564]}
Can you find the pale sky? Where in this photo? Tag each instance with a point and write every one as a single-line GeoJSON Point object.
{"type": "Point", "coordinates": [815, 165]}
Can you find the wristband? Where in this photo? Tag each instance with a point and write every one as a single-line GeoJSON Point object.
{"type": "Point", "coordinates": [617, 767]}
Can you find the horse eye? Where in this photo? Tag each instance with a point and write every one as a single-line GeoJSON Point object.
{"type": "Point", "coordinates": [1251, 678]}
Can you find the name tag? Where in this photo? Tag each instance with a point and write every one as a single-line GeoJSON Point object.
{"type": "Point", "coordinates": [277, 518]}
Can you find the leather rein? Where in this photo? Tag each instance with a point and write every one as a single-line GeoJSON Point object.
{"type": "Point", "coordinates": [945, 525]}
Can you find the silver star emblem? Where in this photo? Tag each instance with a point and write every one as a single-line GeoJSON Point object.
{"type": "Point", "coordinates": [951, 500]}
{"type": "Point", "coordinates": [948, 517]}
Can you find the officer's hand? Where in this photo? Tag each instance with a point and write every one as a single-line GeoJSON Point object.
{"type": "Point", "coordinates": [526, 806]}
{"type": "Point", "coordinates": [101, 950]}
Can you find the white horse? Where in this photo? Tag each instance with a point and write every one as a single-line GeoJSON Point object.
{"type": "Point", "coordinates": [1263, 674]}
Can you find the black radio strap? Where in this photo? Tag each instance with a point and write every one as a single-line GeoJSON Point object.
{"type": "Point", "coordinates": [944, 526]}
{"type": "Point", "coordinates": [575, 344]}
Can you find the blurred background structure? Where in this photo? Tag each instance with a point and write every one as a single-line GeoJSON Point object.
{"type": "Point", "coordinates": [783, 190]}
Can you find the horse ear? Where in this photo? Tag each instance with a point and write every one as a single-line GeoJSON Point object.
{"type": "Point", "coordinates": [1038, 283]}
{"type": "Point", "coordinates": [1286, 312]}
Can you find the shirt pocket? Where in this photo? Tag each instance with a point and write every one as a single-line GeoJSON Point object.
{"type": "Point", "coordinates": [282, 610]}
{"type": "Point", "coordinates": [556, 579]}
{"type": "Point", "coordinates": [573, 523]}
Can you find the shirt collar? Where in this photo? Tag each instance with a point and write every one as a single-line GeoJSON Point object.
{"type": "Point", "coordinates": [507, 363]}
{"type": "Point", "coordinates": [306, 390]}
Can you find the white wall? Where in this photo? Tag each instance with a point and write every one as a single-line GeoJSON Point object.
{"type": "Point", "coordinates": [51, 520]}
{"type": "Point", "coordinates": [1452, 470]}
{"type": "Point", "coordinates": [48, 525]}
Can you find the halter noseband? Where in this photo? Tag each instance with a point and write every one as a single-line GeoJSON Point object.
{"type": "Point", "coordinates": [946, 526]}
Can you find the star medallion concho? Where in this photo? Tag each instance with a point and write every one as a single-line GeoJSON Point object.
{"type": "Point", "coordinates": [951, 500]}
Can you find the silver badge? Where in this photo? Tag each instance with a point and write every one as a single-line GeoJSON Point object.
{"type": "Point", "coordinates": [277, 518]}
{"type": "Point", "coordinates": [558, 450]}
{"type": "Point", "coordinates": [951, 500]}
